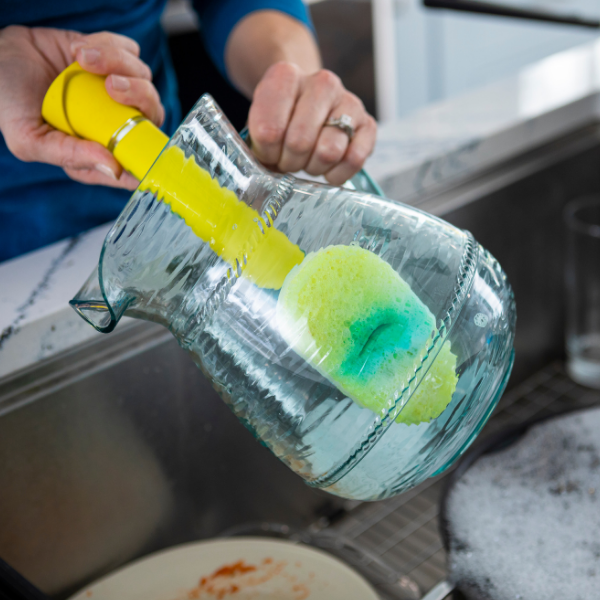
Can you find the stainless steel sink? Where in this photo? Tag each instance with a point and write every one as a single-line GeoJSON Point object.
{"type": "Point", "coordinates": [121, 447]}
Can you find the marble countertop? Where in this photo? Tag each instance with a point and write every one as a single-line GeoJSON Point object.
{"type": "Point", "coordinates": [428, 149]}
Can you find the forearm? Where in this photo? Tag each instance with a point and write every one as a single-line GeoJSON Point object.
{"type": "Point", "coordinates": [264, 38]}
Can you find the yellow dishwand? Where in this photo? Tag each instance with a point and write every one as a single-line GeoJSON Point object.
{"type": "Point", "coordinates": [340, 292]}
{"type": "Point", "coordinates": [78, 104]}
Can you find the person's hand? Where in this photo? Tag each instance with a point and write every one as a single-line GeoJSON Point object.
{"type": "Point", "coordinates": [30, 59]}
{"type": "Point", "coordinates": [286, 124]}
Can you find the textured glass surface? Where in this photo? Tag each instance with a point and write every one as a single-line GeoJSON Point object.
{"type": "Point", "coordinates": [153, 266]}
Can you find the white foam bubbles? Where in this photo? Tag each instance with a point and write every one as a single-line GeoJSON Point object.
{"type": "Point", "coordinates": [525, 521]}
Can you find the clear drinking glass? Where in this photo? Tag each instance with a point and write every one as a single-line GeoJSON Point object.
{"type": "Point", "coordinates": [431, 307]}
{"type": "Point", "coordinates": [582, 279]}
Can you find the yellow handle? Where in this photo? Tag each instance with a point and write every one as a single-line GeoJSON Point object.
{"type": "Point", "coordinates": [77, 103]}
{"type": "Point", "coordinates": [234, 231]}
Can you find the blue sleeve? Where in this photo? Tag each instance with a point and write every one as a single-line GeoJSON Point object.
{"type": "Point", "coordinates": [219, 17]}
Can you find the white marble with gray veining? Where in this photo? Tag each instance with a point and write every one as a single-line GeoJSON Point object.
{"type": "Point", "coordinates": [427, 149]}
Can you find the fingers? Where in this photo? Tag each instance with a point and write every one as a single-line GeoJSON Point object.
{"type": "Point", "coordinates": [96, 177]}
{"type": "Point", "coordinates": [106, 38]}
{"type": "Point", "coordinates": [328, 151]}
{"type": "Point", "coordinates": [106, 60]}
{"type": "Point", "coordinates": [332, 142]}
{"type": "Point", "coordinates": [82, 160]}
{"type": "Point", "coordinates": [321, 92]}
{"type": "Point", "coordinates": [358, 150]}
{"type": "Point", "coordinates": [272, 106]}
{"type": "Point", "coordinates": [139, 93]}
{"type": "Point", "coordinates": [129, 79]}
{"type": "Point", "coordinates": [287, 124]}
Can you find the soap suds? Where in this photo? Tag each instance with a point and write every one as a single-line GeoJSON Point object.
{"type": "Point", "coordinates": [525, 522]}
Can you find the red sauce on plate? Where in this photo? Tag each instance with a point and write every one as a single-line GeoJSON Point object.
{"type": "Point", "coordinates": [229, 580]}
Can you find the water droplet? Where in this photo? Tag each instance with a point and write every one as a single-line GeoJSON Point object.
{"type": "Point", "coordinates": [480, 320]}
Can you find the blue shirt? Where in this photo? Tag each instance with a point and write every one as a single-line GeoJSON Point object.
{"type": "Point", "coordinates": [39, 204]}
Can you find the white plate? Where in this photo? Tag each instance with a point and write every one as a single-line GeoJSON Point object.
{"type": "Point", "coordinates": [233, 569]}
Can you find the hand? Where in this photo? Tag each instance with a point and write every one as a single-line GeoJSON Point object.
{"type": "Point", "coordinates": [286, 124]}
{"type": "Point", "coordinates": [30, 59]}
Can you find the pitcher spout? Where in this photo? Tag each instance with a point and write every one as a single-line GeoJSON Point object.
{"type": "Point", "coordinates": [91, 304]}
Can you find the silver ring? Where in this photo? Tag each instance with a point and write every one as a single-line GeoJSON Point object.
{"type": "Point", "coordinates": [120, 133]}
{"type": "Point", "coordinates": [343, 122]}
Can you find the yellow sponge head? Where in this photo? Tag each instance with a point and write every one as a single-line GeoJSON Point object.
{"type": "Point", "coordinates": [348, 313]}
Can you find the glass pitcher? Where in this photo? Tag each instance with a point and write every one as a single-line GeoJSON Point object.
{"type": "Point", "coordinates": [361, 340]}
